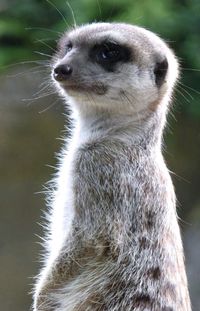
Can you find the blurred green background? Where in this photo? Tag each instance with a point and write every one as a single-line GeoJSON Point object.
{"type": "Point", "coordinates": [31, 120]}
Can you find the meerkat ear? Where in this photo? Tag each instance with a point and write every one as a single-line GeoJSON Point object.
{"type": "Point", "coordinates": [160, 71]}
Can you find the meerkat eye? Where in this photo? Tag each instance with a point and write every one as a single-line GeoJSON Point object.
{"type": "Point", "coordinates": [68, 47]}
{"type": "Point", "coordinates": [109, 54]}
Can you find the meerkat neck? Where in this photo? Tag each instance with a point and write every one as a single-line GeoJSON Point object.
{"type": "Point", "coordinates": [143, 128]}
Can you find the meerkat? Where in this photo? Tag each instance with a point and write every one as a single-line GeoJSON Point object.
{"type": "Point", "coordinates": [113, 242]}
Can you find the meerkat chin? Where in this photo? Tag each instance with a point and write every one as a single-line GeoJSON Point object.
{"type": "Point", "coordinates": [114, 242]}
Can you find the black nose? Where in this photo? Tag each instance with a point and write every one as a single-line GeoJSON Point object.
{"type": "Point", "coordinates": [62, 72]}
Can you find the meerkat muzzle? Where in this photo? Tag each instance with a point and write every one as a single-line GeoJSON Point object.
{"type": "Point", "coordinates": [62, 72]}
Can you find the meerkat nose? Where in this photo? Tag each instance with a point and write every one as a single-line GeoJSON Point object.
{"type": "Point", "coordinates": [62, 72]}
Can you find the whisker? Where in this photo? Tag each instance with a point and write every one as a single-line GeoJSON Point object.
{"type": "Point", "coordinates": [31, 100]}
{"type": "Point", "coordinates": [33, 71]}
{"type": "Point", "coordinates": [182, 88]}
{"type": "Point", "coordinates": [49, 107]}
{"type": "Point", "coordinates": [45, 29]}
{"type": "Point", "coordinates": [72, 13]}
{"type": "Point", "coordinates": [99, 8]}
{"type": "Point", "coordinates": [132, 96]}
{"type": "Point", "coordinates": [186, 99]}
{"type": "Point", "coordinates": [190, 69]}
{"type": "Point", "coordinates": [91, 99]}
{"type": "Point", "coordinates": [127, 99]}
{"type": "Point", "coordinates": [47, 81]}
{"type": "Point", "coordinates": [179, 177]}
{"type": "Point", "coordinates": [46, 44]}
{"type": "Point", "coordinates": [42, 89]}
{"type": "Point", "coordinates": [59, 12]}
{"type": "Point", "coordinates": [172, 115]}
{"type": "Point", "coordinates": [25, 62]}
{"type": "Point", "coordinates": [190, 88]}
{"type": "Point", "coordinates": [43, 54]}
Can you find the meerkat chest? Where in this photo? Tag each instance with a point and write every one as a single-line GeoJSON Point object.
{"type": "Point", "coordinates": [62, 210]}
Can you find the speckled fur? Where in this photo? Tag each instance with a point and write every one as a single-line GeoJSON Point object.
{"type": "Point", "coordinates": [114, 241]}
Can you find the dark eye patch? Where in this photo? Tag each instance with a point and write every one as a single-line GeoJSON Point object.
{"type": "Point", "coordinates": [108, 54]}
{"type": "Point", "coordinates": [68, 47]}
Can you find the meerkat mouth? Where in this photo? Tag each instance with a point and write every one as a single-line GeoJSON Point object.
{"type": "Point", "coordinates": [96, 88]}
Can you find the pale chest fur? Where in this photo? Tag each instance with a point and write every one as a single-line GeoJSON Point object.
{"type": "Point", "coordinates": [122, 219]}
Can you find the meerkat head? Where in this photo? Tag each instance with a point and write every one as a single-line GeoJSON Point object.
{"type": "Point", "coordinates": [114, 67]}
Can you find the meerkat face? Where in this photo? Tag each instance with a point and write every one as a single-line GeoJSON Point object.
{"type": "Point", "coordinates": [114, 67]}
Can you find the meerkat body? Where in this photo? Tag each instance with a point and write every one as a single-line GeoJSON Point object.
{"type": "Point", "coordinates": [114, 241]}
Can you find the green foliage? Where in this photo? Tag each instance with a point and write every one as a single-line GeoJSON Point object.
{"type": "Point", "coordinates": [29, 26]}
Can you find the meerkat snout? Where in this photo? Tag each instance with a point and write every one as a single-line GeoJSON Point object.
{"type": "Point", "coordinates": [62, 72]}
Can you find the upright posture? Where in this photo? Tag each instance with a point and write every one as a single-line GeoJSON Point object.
{"type": "Point", "coordinates": [114, 242]}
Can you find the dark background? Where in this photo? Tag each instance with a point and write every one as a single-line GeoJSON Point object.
{"type": "Point", "coordinates": [31, 120]}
